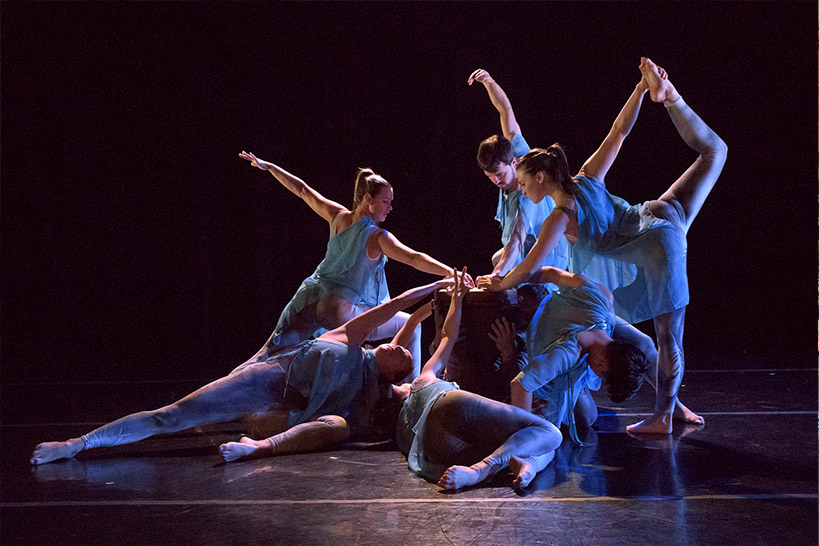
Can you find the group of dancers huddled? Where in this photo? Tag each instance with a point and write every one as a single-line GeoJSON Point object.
{"type": "Point", "coordinates": [610, 265]}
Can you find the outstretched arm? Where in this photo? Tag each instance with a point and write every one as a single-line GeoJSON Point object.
{"type": "Point", "coordinates": [500, 101]}
{"type": "Point", "coordinates": [449, 331]}
{"type": "Point", "coordinates": [356, 330]}
{"type": "Point", "coordinates": [550, 232]}
{"type": "Point", "coordinates": [405, 333]}
{"type": "Point", "coordinates": [513, 248]}
{"type": "Point", "coordinates": [396, 250]}
{"type": "Point", "coordinates": [601, 160]}
{"type": "Point", "coordinates": [322, 206]}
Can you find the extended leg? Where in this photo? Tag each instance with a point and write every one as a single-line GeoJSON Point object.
{"type": "Point", "coordinates": [323, 433]}
{"type": "Point", "coordinates": [689, 192]}
{"type": "Point", "coordinates": [464, 426]}
{"type": "Point", "coordinates": [249, 390]}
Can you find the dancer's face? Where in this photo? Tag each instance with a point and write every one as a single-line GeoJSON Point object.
{"type": "Point", "coordinates": [394, 362]}
{"type": "Point", "coordinates": [504, 176]}
{"type": "Point", "coordinates": [380, 205]}
{"type": "Point", "coordinates": [532, 186]}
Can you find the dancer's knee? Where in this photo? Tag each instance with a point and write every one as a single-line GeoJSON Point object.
{"type": "Point", "coordinates": [165, 419]}
{"type": "Point", "coordinates": [336, 426]}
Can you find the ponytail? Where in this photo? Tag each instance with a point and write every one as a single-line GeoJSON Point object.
{"type": "Point", "coordinates": [553, 162]}
{"type": "Point", "coordinates": [367, 182]}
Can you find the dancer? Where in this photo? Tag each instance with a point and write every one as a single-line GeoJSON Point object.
{"type": "Point", "coordinates": [519, 217]}
{"type": "Point", "coordinates": [571, 345]}
{"type": "Point", "coordinates": [440, 427]}
{"type": "Point", "coordinates": [351, 278]}
{"type": "Point", "coordinates": [651, 236]}
{"type": "Point", "coordinates": [331, 375]}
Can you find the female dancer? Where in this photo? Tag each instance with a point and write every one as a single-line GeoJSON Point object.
{"type": "Point", "coordinates": [441, 427]}
{"type": "Point", "coordinates": [331, 375]}
{"type": "Point", "coordinates": [350, 279]}
{"type": "Point", "coordinates": [651, 236]}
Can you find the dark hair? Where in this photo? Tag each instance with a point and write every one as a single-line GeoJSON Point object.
{"type": "Point", "coordinates": [627, 366]}
{"type": "Point", "coordinates": [367, 182]}
{"type": "Point", "coordinates": [552, 161]}
{"type": "Point", "coordinates": [493, 151]}
{"type": "Point", "coordinates": [530, 295]}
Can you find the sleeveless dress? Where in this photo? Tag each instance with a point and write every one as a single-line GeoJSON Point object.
{"type": "Point", "coordinates": [328, 378]}
{"type": "Point", "coordinates": [650, 252]}
{"type": "Point", "coordinates": [345, 271]}
{"type": "Point", "coordinates": [410, 427]}
{"type": "Point", "coordinates": [514, 204]}
{"type": "Point", "coordinates": [556, 372]}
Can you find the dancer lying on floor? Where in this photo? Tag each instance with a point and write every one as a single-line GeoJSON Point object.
{"type": "Point", "coordinates": [455, 437]}
{"type": "Point", "coordinates": [332, 375]}
{"type": "Point", "coordinates": [350, 279]}
{"type": "Point", "coordinates": [650, 238]}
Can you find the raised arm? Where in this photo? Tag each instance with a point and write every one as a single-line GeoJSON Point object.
{"type": "Point", "coordinates": [356, 330]}
{"type": "Point", "coordinates": [405, 333]}
{"type": "Point", "coordinates": [322, 206]}
{"type": "Point", "coordinates": [500, 101]}
{"type": "Point", "coordinates": [449, 331]}
{"type": "Point", "coordinates": [601, 160]}
{"type": "Point", "coordinates": [396, 250]}
{"type": "Point", "coordinates": [550, 232]}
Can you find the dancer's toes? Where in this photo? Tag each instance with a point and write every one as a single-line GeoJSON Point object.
{"type": "Point", "coordinates": [657, 424]}
{"type": "Point", "coordinates": [51, 451]}
{"type": "Point", "coordinates": [659, 87]}
{"type": "Point", "coordinates": [457, 476]}
{"type": "Point", "coordinates": [685, 415]}
{"type": "Point", "coordinates": [233, 451]}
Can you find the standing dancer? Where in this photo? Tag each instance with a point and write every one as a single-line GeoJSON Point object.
{"type": "Point", "coordinates": [519, 217]}
{"type": "Point", "coordinates": [651, 236]}
{"type": "Point", "coordinates": [350, 279]}
{"type": "Point", "coordinates": [320, 383]}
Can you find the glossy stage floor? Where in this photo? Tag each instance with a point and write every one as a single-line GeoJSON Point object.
{"type": "Point", "coordinates": [749, 476]}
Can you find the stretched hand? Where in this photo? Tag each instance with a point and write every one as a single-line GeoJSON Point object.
{"type": "Point", "coordinates": [255, 161]}
{"type": "Point", "coordinates": [490, 282]}
{"type": "Point", "coordinates": [460, 286]}
{"type": "Point", "coordinates": [503, 335]}
{"type": "Point", "coordinates": [480, 75]}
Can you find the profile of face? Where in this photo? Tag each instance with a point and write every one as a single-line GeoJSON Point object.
{"type": "Point", "coordinates": [533, 186]}
{"type": "Point", "coordinates": [380, 205]}
{"type": "Point", "coordinates": [394, 362]}
{"type": "Point", "coordinates": [504, 176]}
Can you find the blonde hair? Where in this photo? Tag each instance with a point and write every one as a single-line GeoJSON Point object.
{"type": "Point", "coordinates": [367, 182]}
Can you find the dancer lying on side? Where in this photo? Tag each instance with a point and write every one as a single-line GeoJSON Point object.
{"type": "Point", "coordinates": [332, 375]}
{"type": "Point", "coordinates": [455, 437]}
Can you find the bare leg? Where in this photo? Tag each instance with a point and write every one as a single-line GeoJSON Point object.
{"type": "Point", "coordinates": [689, 192]}
{"type": "Point", "coordinates": [670, 368]}
{"type": "Point", "coordinates": [323, 433]}
{"type": "Point", "coordinates": [249, 390]}
{"type": "Point", "coordinates": [463, 425]}
{"type": "Point", "coordinates": [623, 331]}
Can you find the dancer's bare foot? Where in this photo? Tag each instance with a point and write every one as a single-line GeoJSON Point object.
{"type": "Point", "coordinates": [659, 87]}
{"type": "Point", "coordinates": [526, 468]}
{"type": "Point", "coordinates": [51, 451]}
{"type": "Point", "coordinates": [457, 476]}
{"type": "Point", "coordinates": [659, 423]}
{"type": "Point", "coordinates": [684, 415]}
{"type": "Point", "coordinates": [245, 448]}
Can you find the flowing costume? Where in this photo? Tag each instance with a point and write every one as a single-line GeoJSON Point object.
{"type": "Point", "coordinates": [513, 204]}
{"type": "Point", "coordinates": [346, 271]}
{"type": "Point", "coordinates": [650, 252]}
{"type": "Point", "coordinates": [323, 378]}
{"type": "Point", "coordinates": [556, 372]}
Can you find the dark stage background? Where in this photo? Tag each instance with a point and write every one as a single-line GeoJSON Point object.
{"type": "Point", "coordinates": [137, 245]}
